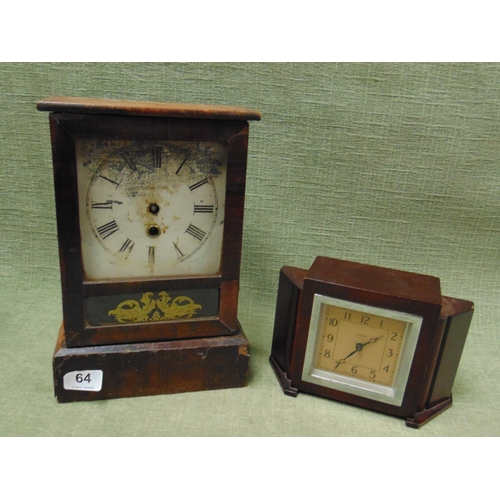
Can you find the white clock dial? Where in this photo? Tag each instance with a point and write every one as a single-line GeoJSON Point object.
{"type": "Point", "coordinates": [151, 208]}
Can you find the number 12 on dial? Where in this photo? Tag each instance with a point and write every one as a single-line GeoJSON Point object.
{"type": "Point", "coordinates": [358, 345]}
{"type": "Point", "coordinates": [360, 348]}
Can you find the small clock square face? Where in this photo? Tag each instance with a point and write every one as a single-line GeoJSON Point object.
{"type": "Point", "coordinates": [151, 208]}
{"type": "Point", "coordinates": [360, 349]}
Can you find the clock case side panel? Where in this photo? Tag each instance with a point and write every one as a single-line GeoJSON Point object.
{"type": "Point", "coordinates": [355, 288]}
{"type": "Point", "coordinates": [67, 218]}
{"type": "Point", "coordinates": [451, 334]}
{"type": "Point", "coordinates": [291, 280]}
{"type": "Point", "coordinates": [66, 128]}
{"type": "Point", "coordinates": [457, 314]}
{"type": "Point", "coordinates": [237, 151]}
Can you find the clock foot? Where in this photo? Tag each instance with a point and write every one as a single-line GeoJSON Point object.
{"type": "Point", "coordinates": [425, 416]}
{"type": "Point", "coordinates": [284, 381]}
{"type": "Point", "coordinates": [149, 368]}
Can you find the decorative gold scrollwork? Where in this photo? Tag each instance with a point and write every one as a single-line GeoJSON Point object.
{"type": "Point", "coordinates": [148, 309]}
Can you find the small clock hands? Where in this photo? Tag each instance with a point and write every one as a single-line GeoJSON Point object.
{"type": "Point", "coordinates": [359, 347]}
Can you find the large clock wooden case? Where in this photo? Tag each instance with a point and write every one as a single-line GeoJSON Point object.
{"type": "Point", "coordinates": [87, 303]}
{"type": "Point", "coordinates": [131, 335]}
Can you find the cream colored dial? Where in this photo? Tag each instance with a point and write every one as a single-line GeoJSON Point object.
{"type": "Point", "coordinates": [360, 345]}
{"type": "Point", "coordinates": [360, 349]}
{"type": "Point", "coordinates": [151, 208]}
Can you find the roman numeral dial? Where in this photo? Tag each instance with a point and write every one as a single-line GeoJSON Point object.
{"type": "Point", "coordinates": [195, 232]}
{"type": "Point", "coordinates": [151, 208]}
{"type": "Point", "coordinates": [198, 184]}
{"type": "Point", "coordinates": [127, 246]}
{"type": "Point", "coordinates": [203, 209]}
{"type": "Point", "coordinates": [105, 205]}
{"type": "Point", "coordinates": [107, 229]}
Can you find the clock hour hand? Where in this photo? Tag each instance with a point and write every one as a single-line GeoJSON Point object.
{"type": "Point", "coordinates": [359, 347]}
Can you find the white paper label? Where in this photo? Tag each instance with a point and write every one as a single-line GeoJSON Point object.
{"type": "Point", "coordinates": [84, 380]}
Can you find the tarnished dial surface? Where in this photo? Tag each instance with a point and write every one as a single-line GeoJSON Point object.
{"type": "Point", "coordinates": [151, 208]}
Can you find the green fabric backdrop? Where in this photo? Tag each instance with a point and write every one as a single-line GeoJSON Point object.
{"type": "Point", "coordinates": [388, 164]}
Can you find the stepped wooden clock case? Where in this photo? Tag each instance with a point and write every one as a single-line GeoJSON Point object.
{"type": "Point", "coordinates": [373, 337]}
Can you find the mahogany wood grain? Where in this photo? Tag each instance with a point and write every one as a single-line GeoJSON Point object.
{"type": "Point", "coordinates": [152, 368]}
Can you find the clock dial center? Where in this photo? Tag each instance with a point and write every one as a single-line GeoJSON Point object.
{"type": "Point", "coordinates": [153, 231]}
{"type": "Point", "coordinates": [153, 208]}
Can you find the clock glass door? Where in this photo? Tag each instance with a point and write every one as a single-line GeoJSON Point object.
{"type": "Point", "coordinates": [151, 208]}
{"type": "Point", "coordinates": [360, 349]}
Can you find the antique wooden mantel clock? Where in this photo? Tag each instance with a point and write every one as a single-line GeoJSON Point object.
{"type": "Point", "coordinates": [377, 338]}
{"type": "Point", "coordinates": [149, 203]}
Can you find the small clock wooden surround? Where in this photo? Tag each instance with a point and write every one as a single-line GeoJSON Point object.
{"type": "Point", "coordinates": [149, 204]}
{"type": "Point", "coordinates": [378, 338]}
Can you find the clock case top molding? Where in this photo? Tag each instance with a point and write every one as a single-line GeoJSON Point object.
{"type": "Point", "coordinates": [81, 118]}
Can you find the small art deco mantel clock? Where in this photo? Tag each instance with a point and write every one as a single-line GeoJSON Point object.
{"type": "Point", "coordinates": [377, 338]}
{"type": "Point", "coordinates": [149, 204]}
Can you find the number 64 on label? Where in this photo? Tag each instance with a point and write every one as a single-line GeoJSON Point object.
{"type": "Point", "coordinates": [83, 380]}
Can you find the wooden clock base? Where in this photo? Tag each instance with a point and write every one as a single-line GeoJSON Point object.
{"type": "Point", "coordinates": [415, 422]}
{"type": "Point", "coordinates": [149, 368]}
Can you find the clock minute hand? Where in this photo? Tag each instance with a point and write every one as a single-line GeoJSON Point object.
{"type": "Point", "coordinates": [359, 347]}
{"type": "Point", "coordinates": [373, 340]}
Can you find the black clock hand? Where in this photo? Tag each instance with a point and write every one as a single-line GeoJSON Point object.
{"type": "Point", "coordinates": [359, 347]}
